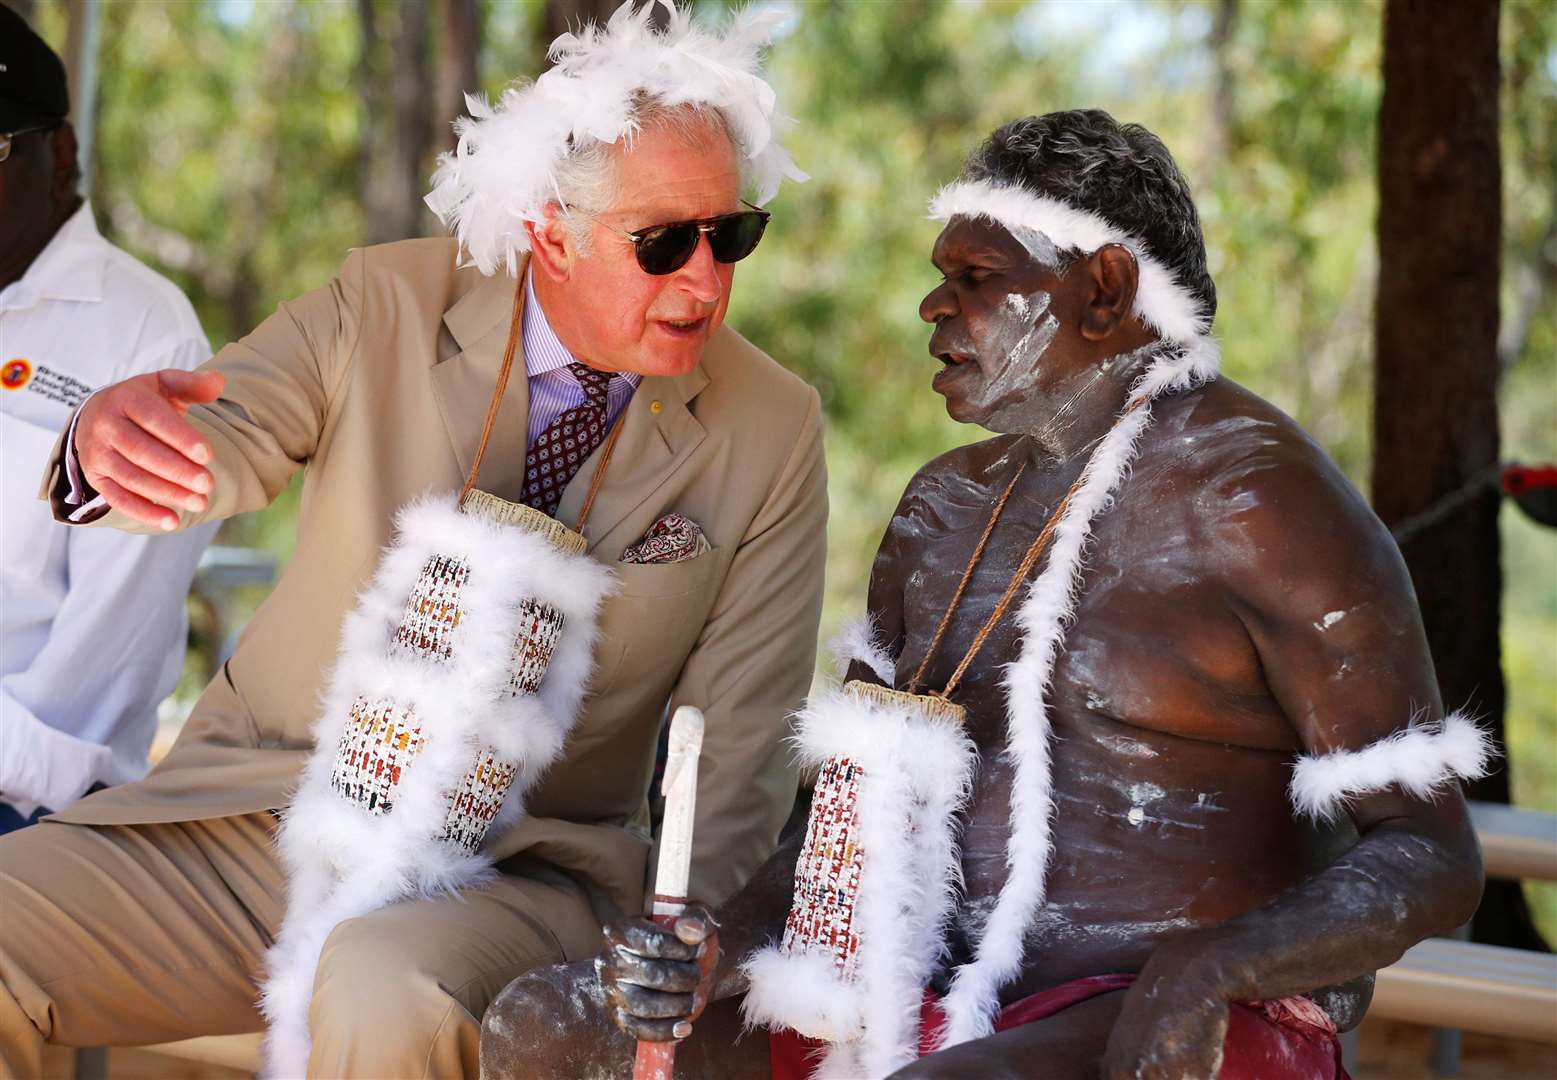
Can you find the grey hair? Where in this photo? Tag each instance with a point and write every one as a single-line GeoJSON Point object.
{"type": "Point", "coordinates": [586, 179]}
{"type": "Point", "coordinates": [1121, 172]}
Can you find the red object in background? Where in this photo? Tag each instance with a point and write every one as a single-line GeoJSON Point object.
{"type": "Point", "coordinates": [1534, 489]}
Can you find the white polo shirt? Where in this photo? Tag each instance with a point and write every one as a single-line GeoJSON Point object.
{"type": "Point", "coordinates": [92, 621]}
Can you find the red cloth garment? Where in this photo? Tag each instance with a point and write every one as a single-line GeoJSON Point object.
{"type": "Point", "coordinates": [1289, 1039]}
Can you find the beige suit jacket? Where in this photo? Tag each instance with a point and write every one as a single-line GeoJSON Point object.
{"type": "Point", "coordinates": [376, 385]}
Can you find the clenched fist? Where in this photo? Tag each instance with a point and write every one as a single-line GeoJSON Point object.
{"type": "Point", "coordinates": [658, 979]}
{"type": "Point", "coordinates": [137, 450]}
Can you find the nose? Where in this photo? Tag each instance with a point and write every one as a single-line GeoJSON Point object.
{"type": "Point", "coordinates": [700, 275]}
{"type": "Point", "coordinates": [939, 303]}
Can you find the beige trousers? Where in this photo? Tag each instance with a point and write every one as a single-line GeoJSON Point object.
{"type": "Point", "coordinates": [126, 935]}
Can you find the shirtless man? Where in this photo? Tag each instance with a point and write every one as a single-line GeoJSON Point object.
{"type": "Point", "coordinates": [1239, 609]}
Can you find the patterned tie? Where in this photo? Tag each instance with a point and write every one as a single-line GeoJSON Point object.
{"type": "Point", "coordinates": [562, 448]}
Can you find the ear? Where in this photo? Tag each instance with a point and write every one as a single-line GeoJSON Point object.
{"type": "Point", "coordinates": [1114, 275]}
{"type": "Point", "coordinates": [551, 244]}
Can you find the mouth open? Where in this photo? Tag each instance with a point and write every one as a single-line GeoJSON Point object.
{"type": "Point", "coordinates": [682, 327]}
{"type": "Point", "coordinates": [951, 364]}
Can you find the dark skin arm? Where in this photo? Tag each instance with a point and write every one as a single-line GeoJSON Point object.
{"type": "Point", "coordinates": [1344, 682]}
{"type": "Point", "coordinates": [655, 978]}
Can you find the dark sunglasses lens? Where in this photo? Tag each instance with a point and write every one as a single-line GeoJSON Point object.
{"type": "Point", "coordinates": [667, 249]}
{"type": "Point", "coordinates": [736, 237]}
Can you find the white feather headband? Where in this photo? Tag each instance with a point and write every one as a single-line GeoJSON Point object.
{"type": "Point", "coordinates": [1161, 299]}
{"type": "Point", "coordinates": [503, 171]}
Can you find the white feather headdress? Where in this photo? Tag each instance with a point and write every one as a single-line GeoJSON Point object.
{"type": "Point", "coordinates": [1161, 299]}
{"type": "Point", "coordinates": [503, 171]}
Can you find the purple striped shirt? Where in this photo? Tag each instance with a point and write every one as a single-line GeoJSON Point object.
{"type": "Point", "coordinates": [553, 389]}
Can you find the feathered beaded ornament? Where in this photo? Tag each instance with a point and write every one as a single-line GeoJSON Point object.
{"type": "Point", "coordinates": [461, 672]}
{"type": "Point", "coordinates": [504, 169]}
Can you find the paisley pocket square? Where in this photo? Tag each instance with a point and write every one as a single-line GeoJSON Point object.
{"type": "Point", "coordinates": [673, 538]}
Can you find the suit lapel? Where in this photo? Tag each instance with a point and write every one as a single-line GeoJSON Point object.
{"type": "Point", "coordinates": [654, 443]}
{"type": "Point", "coordinates": [463, 386]}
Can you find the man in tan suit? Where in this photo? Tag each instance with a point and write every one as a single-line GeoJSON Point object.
{"type": "Point", "coordinates": [141, 914]}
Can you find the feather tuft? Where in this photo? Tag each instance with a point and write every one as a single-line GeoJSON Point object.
{"type": "Point", "coordinates": [857, 641]}
{"type": "Point", "coordinates": [502, 172]}
{"type": "Point", "coordinates": [1422, 759]}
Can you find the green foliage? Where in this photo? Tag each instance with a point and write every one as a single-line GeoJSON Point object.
{"type": "Point", "coordinates": [233, 130]}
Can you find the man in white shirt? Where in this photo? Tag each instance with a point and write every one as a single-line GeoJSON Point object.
{"type": "Point", "coordinates": [91, 621]}
{"type": "Point", "coordinates": [376, 388]}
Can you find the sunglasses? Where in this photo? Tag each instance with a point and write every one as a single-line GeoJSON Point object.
{"type": "Point", "coordinates": [664, 249]}
{"type": "Point", "coordinates": [6, 137]}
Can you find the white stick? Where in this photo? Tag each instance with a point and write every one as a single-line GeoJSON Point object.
{"type": "Point", "coordinates": [680, 787]}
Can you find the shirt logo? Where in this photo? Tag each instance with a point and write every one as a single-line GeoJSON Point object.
{"type": "Point", "coordinates": [55, 386]}
{"type": "Point", "coordinates": [15, 374]}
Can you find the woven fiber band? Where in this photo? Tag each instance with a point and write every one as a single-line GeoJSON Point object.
{"type": "Point", "coordinates": [491, 508]}
{"type": "Point", "coordinates": [460, 674]}
{"type": "Point", "coordinates": [926, 703]}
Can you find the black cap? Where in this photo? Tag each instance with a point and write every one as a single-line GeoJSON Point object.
{"type": "Point", "coordinates": [32, 79]}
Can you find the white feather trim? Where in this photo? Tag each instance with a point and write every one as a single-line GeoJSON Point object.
{"type": "Point", "coordinates": [1043, 620]}
{"type": "Point", "coordinates": [857, 641]}
{"type": "Point", "coordinates": [343, 862]}
{"type": "Point", "coordinates": [917, 771]}
{"type": "Point", "coordinates": [1421, 758]}
{"type": "Point", "coordinates": [801, 991]}
{"type": "Point", "coordinates": [1161, 300]}
{"type": "Point", "coordinates": [503, 170]}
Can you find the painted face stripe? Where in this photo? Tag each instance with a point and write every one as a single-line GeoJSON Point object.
{"type": "Point", "coordinates": [1161, 299]}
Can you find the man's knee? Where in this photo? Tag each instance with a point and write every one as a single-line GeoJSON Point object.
{"type": "Point", "coordinates": [364, 970]}
{"type": "Point", "coordinates": [544, 1023]}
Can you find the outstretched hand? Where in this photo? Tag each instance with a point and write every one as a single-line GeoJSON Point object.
{"type": "Point", "coordinates": [658, 980]}
{"type": "Point", "coordinates": [139, 452]}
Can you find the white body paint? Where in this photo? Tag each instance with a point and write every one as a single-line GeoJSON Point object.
{"type": "Point", "coordinates": [1161, 300]}
{"type": "Point", "coordinates": [1330, 619]}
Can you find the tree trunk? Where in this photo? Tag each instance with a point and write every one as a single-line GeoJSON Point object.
{"type": "Point", "coordinates": [83, 22]}
{"type": "Point", "coordinates": [1435, 420]}
{"type": "Point", "coordinates": [1220, 138]}
{"type": "Point", "coordinates": [413, 97]}
{"type": "Point", "coordinates": [395, 161]}
{"type": "Point", "coordinates": [565, 16]}
{"type": "Point", "coordinates": [370, 86]}
{"type": "Point", "coordinates": [458, 67]}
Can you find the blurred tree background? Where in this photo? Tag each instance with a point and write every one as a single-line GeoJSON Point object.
{"type": "Point", "coordinates": [243, 146]}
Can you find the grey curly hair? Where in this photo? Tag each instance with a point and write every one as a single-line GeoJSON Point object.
{"type": "Point", "coordinates": [1121, 172]}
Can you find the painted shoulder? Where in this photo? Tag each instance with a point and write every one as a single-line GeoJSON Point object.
{"type": "Point", "coordinates": [1252, 471]}
{"type": "Point", "coordinates": [961, 464]}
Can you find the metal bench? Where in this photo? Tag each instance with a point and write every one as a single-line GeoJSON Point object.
{"type": "Point", "coordinates": [1457, 986]}
{"type": "Point", "coordinates": [1516, 844]}
{"type": "Point", "coordinates": [1469, 987]}
{"type": "Point", "coordinates": [223, 570]}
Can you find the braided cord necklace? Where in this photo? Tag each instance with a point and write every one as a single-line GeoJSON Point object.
{"type": "Point", "coordinates": [1034, 552]}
